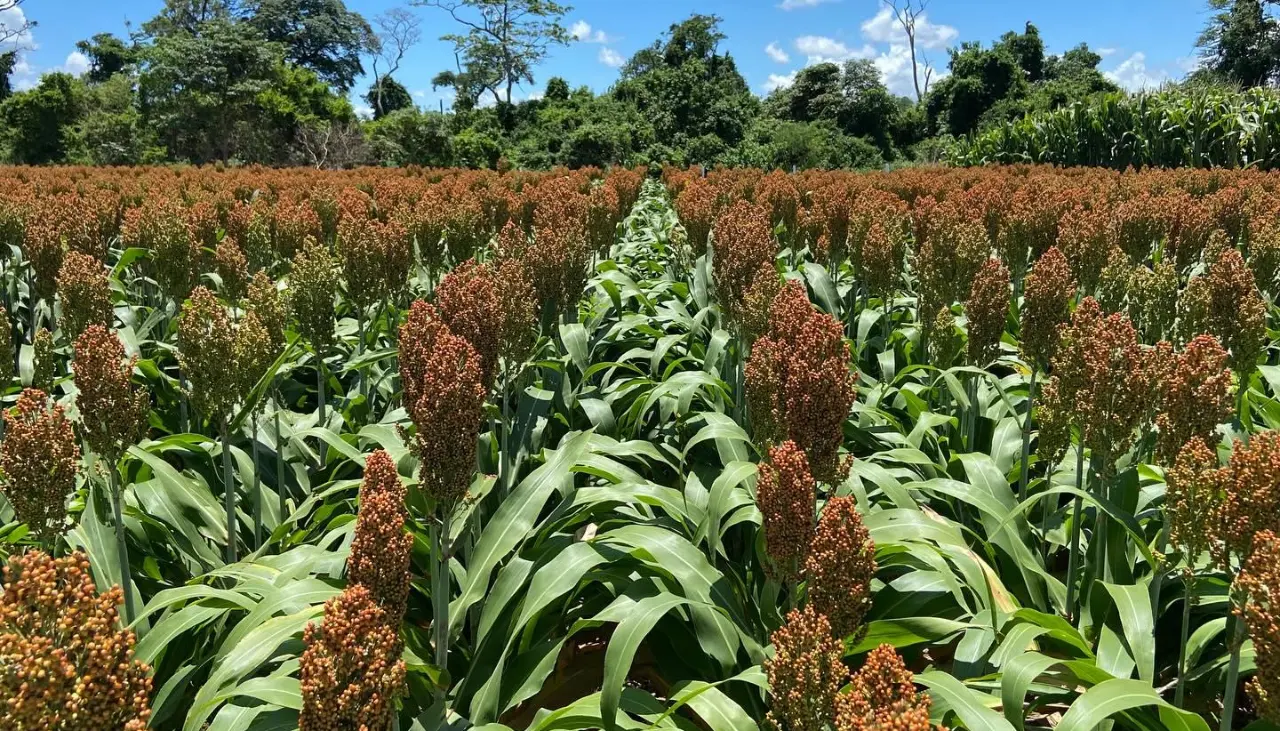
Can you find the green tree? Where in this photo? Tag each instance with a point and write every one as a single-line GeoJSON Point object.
{"type": "Point", "coordinates": [694, 97]}
{"type": "Point", "coordinates": [188, 16]}
{"type": "Point", "coordinates": [108, 56]}
{"type": "Point", "coordinates": [8, 61]}
{"type": "Point", "coordinates": [38, 123]}
{"type": "Point", "coordinates": [199, 90]}
{"type": "Point", "coordinates": [980, 78]}
{"type": "Point", "coordinates": [1027, 50]}
{"type": "Point", "coordinates": [1241, 42]}
{"type": "Point", "coordinates": [411, 137]}
{"type": "Point", "coordinates": [111, 131]}
{"type": "Point", "coordinates": [504, 39]}
{"type": "Point", "coordinates": [557, 90]}
{"type": "Point", "coordinates": [391, 97]}
{"type": "Point", "coordinates": [320, 35]}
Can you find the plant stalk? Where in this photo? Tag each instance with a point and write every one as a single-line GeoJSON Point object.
{"type": "Point", "coordinates": [228, 494]}
{"type": "Point", "coordinates": [1180, 689]}
{"type": "Point", "coordinates": [122, 545]}
{"type": "Point", "coordinates": [1024, 472]}
{"type": "Point", "coordinates": [280, 490]}
{"type": "Point", "coordinates": [1075, 535]}
{"type": "Point", "coordinates": [257, 487]}
{"type": "Point", "coordinates": [440, 597]}
{"type": "Point", "coordinates": [1233, 672]}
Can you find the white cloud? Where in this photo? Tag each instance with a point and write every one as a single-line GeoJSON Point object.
{"type": "Point", "coordinates": [796, 4]}
{"type": "Point", "coordinates": [779, 81]}
{"type": "Point", "coordinates": [419, 94]}
{"type": "Point", "coordinates": [611, 58]}
{"type": "Point", "coordinates": [12, 18]}
{"type": "Point", "coordinates": [24, 76]}
{"type": "Point", "coordinates": [1104, 52]}
{"type": "Point", "coordinates": [885, 28]}
{"type": "Point", "coordinates": [1189, 64]}
{"type": "Point", "coordinates": [820, 49]}
{"type": "Point", "coordinates": [581, 31]}
{"type": "Point", "coordinates": [1132, 74]}
{"type": "Point", "coordinates": [776, 53]}
{"type": "Point", "coordinates": [77, 63]}
{"type": "Point", "coordinates": [364, 111]}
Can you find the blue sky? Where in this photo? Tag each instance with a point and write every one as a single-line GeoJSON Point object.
{"type": "Point", "coordinates": [1144, 42]}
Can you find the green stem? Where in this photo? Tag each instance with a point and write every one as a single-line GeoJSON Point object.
{"type": "Point", "coordinates": [280, 490]}
{"type": "Point", "coordinates": [320, 395]}
{"type": "Point", "coordinates": [1046, 508]}
{"type": "Point", "coordinates": [122, 546]}
{"type": "Point", "coordinates": [1233, 672]}
{"type": "Point", "coordinates": [1180, 688]}
{"type": "Point", "coordinates": [1075, 535]}
{"type": "Point", "coordinates": [257, 487]}
{"type": "Point", "coordinates": [440, 597]}
{"type": "Point", "coordinates": [1024, 472]}
{"type": "Point", "coordinates": [228, 495]}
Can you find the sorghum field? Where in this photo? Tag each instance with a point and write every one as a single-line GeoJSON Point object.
{"type": "Point", "coordinates": [988, 449]}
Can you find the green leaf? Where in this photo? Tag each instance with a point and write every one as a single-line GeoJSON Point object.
{"type": "Point", "coordinates": [1117, 695]}
{"type": "Point", "coordinates": [623, 644]}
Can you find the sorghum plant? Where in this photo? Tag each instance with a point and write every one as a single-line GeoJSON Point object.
{"type": "Point", "coordinates": [986, 309]}
{"type": "Point", "coordinates": [1226, 303]}
{"type": "Point", "coordinates": [67, 667]}
{"type": "Point", "coordinates": [351, 671]}
{"type": "Point", "coordinates": [882, 695]}
{"type": "Point", "coordinates": [839, 568]}
{"type": "Point", "coordinates": [1194, 396]}
{"type": "Point", "coordinates": [379, 557]}
{"type": "Point", "coordinates": [443, 393]}
{"type": "Point", "coordinates": [44, 361]}
{"type": "Point", "coordinates": [805, 673]}
{"type": "Point", "coordinates": [742, 242]}
{"type": "Point", "coordinates": [1153, 299]}
{"type": "Point", "coordinates": [85, 293]}
{"type": "Point", "coordinates": [39, 459]}
{"type": "Point", "coordinates": [313, 284]}
{"type": "Point", "coordinates": [1259, 581]}
{"type": "Point", "coordinates": [468, 303]}
{"type": "Point", "coordinates": [799, 384]}
{"type": "Point", "coordinates": [786, 495]}
{"type": "Point", "coordinates": [233, 269]}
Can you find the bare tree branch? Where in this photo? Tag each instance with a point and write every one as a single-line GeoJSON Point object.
{"type": "Point", "coordinates": [398, 31]}
{"type": "Point", "coordinates": [8, 33]}
{"type": "Point", "coordinates": [906, 14]}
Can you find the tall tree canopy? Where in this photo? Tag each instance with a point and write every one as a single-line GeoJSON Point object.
{"type": "Point", "coordinates": [694, 96]}
{"type": "Point", "coordinates": [321, 35]}
{"type": "Point", "coordinates": [390, 98]}
{"type": "Point", "coordinates": [1241, 43]}
{"type": "Point", "coordinates": [108, 56]}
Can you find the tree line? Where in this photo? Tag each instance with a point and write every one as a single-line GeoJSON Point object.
{"type": "Point", "coordinates": [269, 82]}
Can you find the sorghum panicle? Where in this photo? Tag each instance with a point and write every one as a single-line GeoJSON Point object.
{"type": "Point", "coordinates": [39, 458]}
{"type": "Point", "coordinates": [206, 353]}
{"type": "Point", "coordinates": [1250, 488]}
{"type": "Point", "coordinates": [696, 206]}
{"type": "Point", "coordinates": [85, 294]}
{"type": "Point", "coordinates": [264, 301]}
{"type": "Point", "coordinates": [882, 695]}
{"type": "Point", "coordinates": [799, 383]}
{"type": "Point", "coordinates": [379, 557]}
{"type": "Point", "coordinates": [839, 568]}
{"type": "Point", "coordinates": [468, 303]}
{"type": "Point", "coordinates": [313, 284]}
{"type": "Point", "coordinates": [753, 315]}
{"type": "Point", "coordinates": [805, 673]}
{"type": "Point", "coordinates": [1086, 236]}
{"type": "Point", "coordinates": [519, 304]}
{"type": "Point", "coordinates": [1228, 305]}
{"type": "Point", "coordinates": [351, 671]}
{"type": "Point", "coordinates": [986, 310]}
{"type": "Point", "coordinates": [68, 665]}
{"type": "Point", "coordinates": [232, 268]}
{"type": "Point", "coordinates": [443, 393]}
{"type": "Point", "coordinates": [1105, 378]}
{"type": "Point", "coordinates": [1153, 299]}
{"type": "Point", "coordinates": [881, 260]}
{"type": "Point", "coordinates": [1194, 396]}
{"type": "Point", "coordinates": [1260, 583]}
{"type": "Point", "coordinates": [113, 414]}
{"type": "Point", "coordinates": [6, 350]}
{"type": "Point", "coordinates": [43, 361]}
{"type": "Point", "coordinates": [786, 494]}
{"type": "Point", "coordinates": [1193, 502]}
{"type": "Point", "coordinates": [1113, 283]}
{"type": "Point", "coordinates": [944, 342]}
{"type": "Point", "coordinates": [742, 242]}
{"type": "Point", "coordinates": [1046, 305]}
